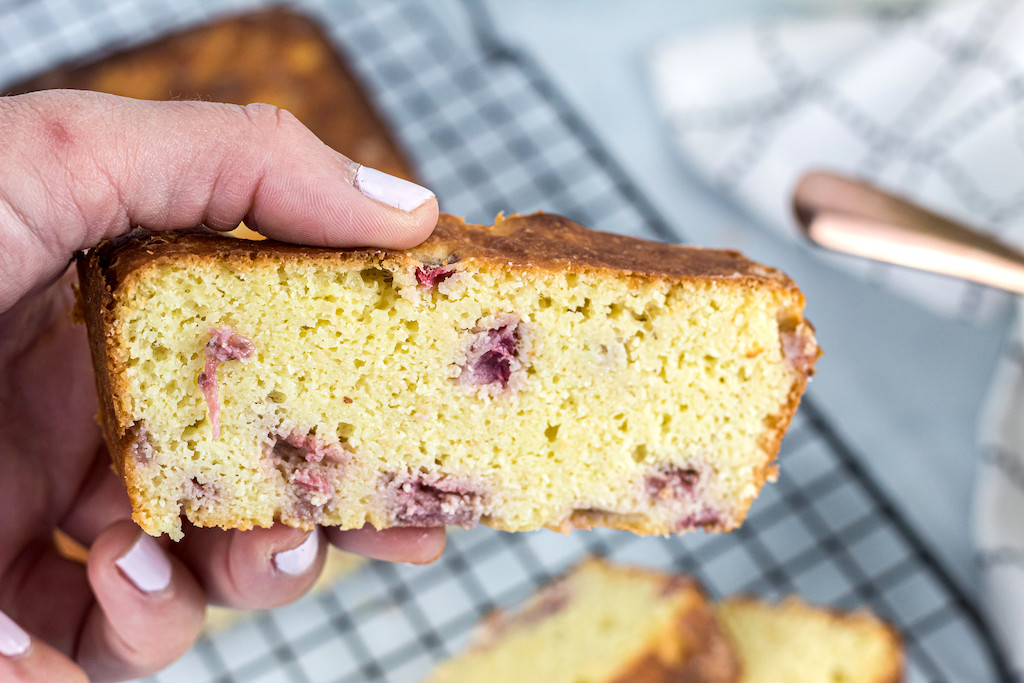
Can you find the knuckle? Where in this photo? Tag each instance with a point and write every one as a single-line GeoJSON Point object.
{"type": "Point", "coordinates": [268, 118]}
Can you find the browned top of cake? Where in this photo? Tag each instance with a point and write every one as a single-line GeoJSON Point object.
{"type": "Point", "coordinates": [541, 241]}
{"type": "Point", "coordinates": [274, 57]}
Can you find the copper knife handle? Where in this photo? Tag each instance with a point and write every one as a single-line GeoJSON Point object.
{"type": "Point", "coordinates": [857, 218]}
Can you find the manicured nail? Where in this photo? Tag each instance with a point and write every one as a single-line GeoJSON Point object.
{"type": "Point", "coordinates": [14, 642]}
{"type": "Point", "coordinates": [298, 560]}
{"type": "Point", "coordinates": [146, 565]}
{"type": "Point", "coordinates": [390, 189]}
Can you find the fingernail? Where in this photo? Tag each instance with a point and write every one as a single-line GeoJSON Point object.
{"type": "Point", "coordinates": [146, 565]}
{"type": "Point", "coordinates": [298, 560]}
{"type": "Point", "coordinates": [14, 642]}
{"type": "Point", "coordinates": [390, 189]}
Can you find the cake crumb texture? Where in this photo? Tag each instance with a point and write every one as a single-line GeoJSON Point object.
{"type": "Point", "coordinates": [601, 624]}
{"type": "Point", "coordinates": [527, 374]}
{"type": "Point", "coordinates": [795, 642]}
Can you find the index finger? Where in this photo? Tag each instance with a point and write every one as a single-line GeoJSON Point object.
{"type": "Point", "coordinates": [82, 167]}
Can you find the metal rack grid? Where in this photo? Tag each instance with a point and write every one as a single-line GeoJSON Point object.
{"type": "Point", "coordinates": [490, 133]}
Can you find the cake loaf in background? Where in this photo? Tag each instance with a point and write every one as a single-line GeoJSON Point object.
{"type": "Point", "coordinates": [796, 642]}
{"type": "Point", "coordinates": [604, 623]}
{"type": "Point", "coordinates": [601, 624]}
{"type": "Point", "coordinates": [275, 56]}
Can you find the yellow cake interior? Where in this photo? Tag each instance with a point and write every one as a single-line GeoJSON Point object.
{"type": "Point", "coordinates": [595, 625]}
{"type": "Point", "coordinates": [620, 385]}
{"type": "Point", "coordinates": [794, 642]}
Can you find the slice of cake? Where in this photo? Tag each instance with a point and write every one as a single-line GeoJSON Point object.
{"type": "Point", "coordinates": [602, 624]}
{"type": "Point", "coordinates": [605, 623]}
{"type": "Point", "coordinates": [795, 642]}
{"type": "Point", "coordinates": [527, 374]}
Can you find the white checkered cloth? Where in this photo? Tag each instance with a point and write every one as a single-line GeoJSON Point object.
{"type": "Point", "coordinates": [930, 106]}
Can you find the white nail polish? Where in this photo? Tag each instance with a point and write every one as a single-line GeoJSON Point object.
{"type": "Point", "coordinates": [298, 560]}
{"type": "Point", "coordinates": [146, 565]}
{"type": "Point", "coordinates": [14, 642]}
{"type": "Point", "coordinates": [390, 189]}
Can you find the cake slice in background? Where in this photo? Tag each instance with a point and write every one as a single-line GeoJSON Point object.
{"type": "Point", "coordinates": [604, 623]}
{"type": "Point", "coordinates": [527, 374]}
{"type": "Point", "coordinates": [795, 642]}
{"type": "Point", "coordinates": [601, 624]}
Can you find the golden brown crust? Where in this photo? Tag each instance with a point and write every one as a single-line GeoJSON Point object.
{"type": "Point", "coordinates": [97, 302]}
{"type": "Point", "coordinates": [695, 650]}
{"type": "Point", "coordinates": [702, 655]}
{"type": "Point", "coordinates": [272, 56]}
{"type": "Point", "coordinates": [534, 242]}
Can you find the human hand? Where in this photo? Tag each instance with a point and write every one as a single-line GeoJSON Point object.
{"type": "Point", "coordinates": [78, 168]}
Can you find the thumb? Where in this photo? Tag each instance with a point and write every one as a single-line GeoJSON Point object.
{"type": "Point", "coordinates": [82, 166]}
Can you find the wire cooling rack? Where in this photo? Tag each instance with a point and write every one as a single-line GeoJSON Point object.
{"type": "Point", "coordinates": [489, 133]}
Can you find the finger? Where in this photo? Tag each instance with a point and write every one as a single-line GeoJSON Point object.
{"type": "Point", "coordinates": [255, 569]}
{"type": "Point", "coordinates": [83, 166]}
{"type": "Point", "coordinates": [100, 502]}
{"type": "Point", "coordinates": [47, 595]}
{"type": "Point", "coordinates": [399, 544]}
{"type": "Point", "coordinates": [149, 609]}
{"type": "Point", "coordinates": [24, 659]}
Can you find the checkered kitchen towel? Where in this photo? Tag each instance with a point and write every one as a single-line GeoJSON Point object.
{"type": "Point", "coordinates": [930, 106]}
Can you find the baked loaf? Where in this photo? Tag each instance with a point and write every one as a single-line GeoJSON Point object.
{"type": "Point", "coordinates": [272, 56]}
{"type": "Point", "coordinates": [795, 642]}
{"type": "Point", "coordinates": [527, 374]}
{"type": "Point", "coordinates": [602, 624]}
{"type": "Point", "coordinates": [609, 623]}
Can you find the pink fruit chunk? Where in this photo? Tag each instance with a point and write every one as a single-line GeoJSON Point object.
{"type": "Point", "coordinates": [800, 349]}
{"type": "Point", "coordinates": [672, 483]}
{"type": "Point", "coordinates": [141, 449]}
{"type": "Point", "coordinates": [310, 468]}
{"type": "Point", "coordinates": [311, 483]}
{"type": "Point", "coordinates": [429, 277]}
{"type": "Point", "coordinates": [436, 501]}
{"type": "Point", "coordinates": [224, 345]}
{"type": "Point", "coordinates": [202, 493]}
{"type": "Point", "coordinates": [308, 447]}
{"type": "Point", "coordinates": [706, 517]}
{"type": "Point", "coordinates": [493, 354]}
